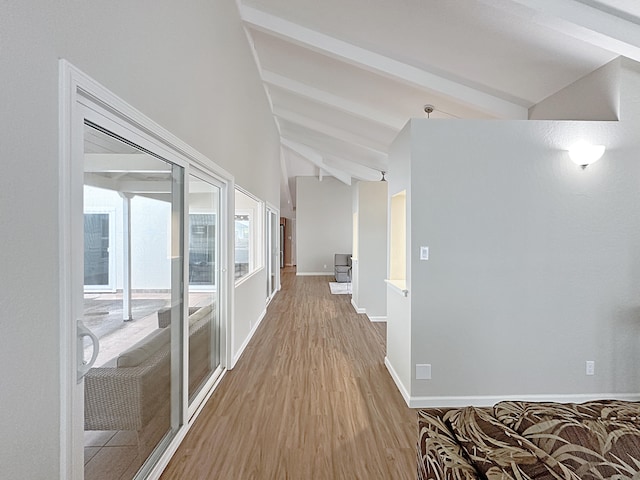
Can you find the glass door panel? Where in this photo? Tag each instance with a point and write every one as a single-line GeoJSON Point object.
{"type": "Point", "coordinates": [132, 394]}
{"type": "Point", "coordinates": [273, 248]}
{"type": "Point", "coordinates": [98, 253]}
{"type": "Point", "coordinates": [204, 258]}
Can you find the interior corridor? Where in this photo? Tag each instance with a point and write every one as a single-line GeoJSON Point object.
{"type": "Point", "coordinates": [309, 398]}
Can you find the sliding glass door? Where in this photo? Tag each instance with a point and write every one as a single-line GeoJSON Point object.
{"type": "Point", "coordinates": [204, 281]}
{"type": "Point", "coordinates": [145, 285]}
{"type": "Point", "coordinates": [132, 392]}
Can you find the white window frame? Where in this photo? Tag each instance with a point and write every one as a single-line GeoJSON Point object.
{"type": "Point", "coordinates": [256, 235]}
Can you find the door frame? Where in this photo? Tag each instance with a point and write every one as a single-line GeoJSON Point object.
{"type": "Point", "coordinates": [79, 97]}
{"type": "Point", "coordinates": [222, 288]}
{"type": "Point", "coordinates": [272, 249]}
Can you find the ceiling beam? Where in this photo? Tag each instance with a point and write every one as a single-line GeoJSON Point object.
{"type": "Point", "coordinates": [382, 65]}
{"type": "Point", "coordinates": [329, 130]}
{"type": "Point", "coordinates": [284, 179]}
{"type": "Point", "coordinates": [322, 142]}
{"type": "Point", "coordinates": [356, 170]}
{"type": "Point", "coordinates": [339, 103]}
{"type": "Point", "coordinates": [256, 59]}
{"type": "Point", "coordinates": [315, 158]}
{"type": "Point", "coordinates": [594, 23]}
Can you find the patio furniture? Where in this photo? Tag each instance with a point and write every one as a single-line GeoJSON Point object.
{"type": "Point", "coordinates": [130, 394]}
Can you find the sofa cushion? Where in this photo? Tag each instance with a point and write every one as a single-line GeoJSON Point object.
{"type": "Point", "coordinates": [439, 455]}
{"type": "Point", "coordinates": [595, 439]}
{"type": "Point", "coordinates": [498, 451]}
{"type": "Point", "coordinates": [142, 350]}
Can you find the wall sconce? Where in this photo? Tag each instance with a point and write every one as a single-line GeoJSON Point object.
{"type": "Point", "coordinates": [583, 153]}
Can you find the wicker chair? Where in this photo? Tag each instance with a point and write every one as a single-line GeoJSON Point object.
{"type": "Point", "coordinates": [130, 395]}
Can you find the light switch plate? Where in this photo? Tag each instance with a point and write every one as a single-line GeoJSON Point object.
{"type": "Point", "coordinates": [424, 253]}
{"type": "Point", "coordinates": [590, 367]}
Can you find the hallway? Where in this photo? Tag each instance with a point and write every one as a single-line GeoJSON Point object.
{"type": "Point", "coordinates": [309, 399]}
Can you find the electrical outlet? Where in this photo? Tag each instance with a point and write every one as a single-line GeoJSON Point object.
{"type": "Point", "coordinates": [423, 371]}
{"type": "Point", "coordinates": [590, 367]}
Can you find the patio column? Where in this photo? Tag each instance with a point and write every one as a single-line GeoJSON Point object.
{"type": "Point", "coordinates": [126, 256]}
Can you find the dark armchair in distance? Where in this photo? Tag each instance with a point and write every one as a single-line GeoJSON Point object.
{"type": "Point", "coordinates": [342, 267]}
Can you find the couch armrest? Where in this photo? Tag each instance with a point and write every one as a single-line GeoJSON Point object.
{"type": "Point", "coordinates": [439, 455]}
{"type": "Point", "coordinates": [126, 398]}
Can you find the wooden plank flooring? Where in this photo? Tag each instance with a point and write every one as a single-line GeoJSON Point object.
{"type": "Point", "coordinates": [309, 399]}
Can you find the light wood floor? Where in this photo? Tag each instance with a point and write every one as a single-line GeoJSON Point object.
{"type": "Point", "coordinates": [309, 399]}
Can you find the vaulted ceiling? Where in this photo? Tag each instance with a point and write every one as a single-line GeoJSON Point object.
{"type": "Point", "coordinates": [344, 76]}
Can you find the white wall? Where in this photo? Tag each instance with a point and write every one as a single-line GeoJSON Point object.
{"type": "Point", "coordinates": [185, 65]}
{"type": "Point", "coordinates": [369, 289]}
{"type": "Point", "coordinates": [534, 266]}
{"type": "Point", "coordinates": [399, 324]}
{"type": "Point", "coordinates": [252, 287]}
{"type": "Point", "coordinates": [323, 223]}
{"type": "Point", "coordinates": [248, 314]}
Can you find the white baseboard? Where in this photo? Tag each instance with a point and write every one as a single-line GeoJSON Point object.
{"type": "Point", "coordinates": [238, 354]}
{"type": "Point", "coordinates": [403, 391]}
{"type": "Point", "coordinates": [357, 309]}
{"type": "Point", "coordinates": [314, 274]}
{"type": "Point", "coordinates": [490, 400]}
{"type": "Point", "coordinates": [378, 319]}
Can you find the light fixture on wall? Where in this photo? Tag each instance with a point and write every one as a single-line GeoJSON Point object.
{"type": "Point", "coordinates": [583, 153]}
{"type": "Point", "coordinates": [383, 173]}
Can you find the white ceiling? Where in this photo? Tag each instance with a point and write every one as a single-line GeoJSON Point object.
{"type": "Point", "coordinates": [344, 76]}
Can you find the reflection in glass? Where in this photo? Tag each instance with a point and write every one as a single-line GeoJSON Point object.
{"type": "Point", "coordinates": [202, 248]}
{"type": "Point", "coordinates": [132, 394]}
{"type": "Point", "coordinates": [249, 234]}
{"type": "Point", "coordinates": [242, 238]}
{"type": "Point", "coordinates": [96, 249]}
{"type": "Point", "coordinates": [204, 350]}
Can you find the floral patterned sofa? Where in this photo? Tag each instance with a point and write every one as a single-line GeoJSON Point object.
{"type": "Point", "coordinates": [528, 440]}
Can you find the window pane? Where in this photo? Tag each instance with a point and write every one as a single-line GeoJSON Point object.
{"type": "Point", "coordinates": [202, 248]}
{"type": "Point", "coordinates": [203, 320]}
{"type": "Point", "coordinates": [249, 236]}
{"type": "Point", "coordinates": [96, 249]}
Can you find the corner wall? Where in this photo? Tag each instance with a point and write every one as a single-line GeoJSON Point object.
{"type": "Point", "coordinates": [369, 292]}
{"type": "Point", "coordinates": [399, 325]}
{"type": "Point", "coordinates": [323, 224]}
